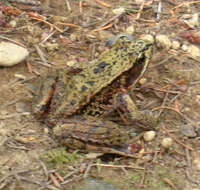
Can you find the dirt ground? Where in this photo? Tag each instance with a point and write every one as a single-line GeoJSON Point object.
{"type": "Point", "coordinates": [77, 32]}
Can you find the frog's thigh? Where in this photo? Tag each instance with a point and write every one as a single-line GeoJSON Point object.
{"type": "Point", "coordinates": [73, 143]}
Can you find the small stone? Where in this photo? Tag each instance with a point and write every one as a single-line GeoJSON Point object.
{"type": "Point", "coordinates": [130, 30]}
{"type": "Point", "coordinates": [188, 131]}
{"type": "Point", "coordinates": [46, 130]}
{"type": "Point", "coordinates": [193, 21]}
{"type": "Point", "coordinates": [163, 41]}
{"type": "Point", "coordinates": [167, 142]}
{"type": "Point", "coordinates": [194, 51]}
{"type": "Point", "coordinates": [19, 76]}
{"type": "Point", "coordinates": [196, 162]}
{"type": "Point", "coordinates": [184, 47]}
{"type": "Point", "coordinates": [52, 46]}
{"type": "Point", "coordinates": [71, 63]}
{"type": "Point", "coordinates": [142, 81]}
{"type": "Point", "coordinates": [12, 54]}
{"type": "Point", "coordinates": [149, 135]}
{"type": "Point", "coordinates": [147, 37]}
{"type": "Point", "coordinates": [119, 10]}
{"type": "Point", "coordinates": [198, 98]}
{"type": "Point", "coordinates": [13, 23]}
{"type": "Point", "coordinates": [175, 45]}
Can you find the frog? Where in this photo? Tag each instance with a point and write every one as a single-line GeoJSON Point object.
{"type": "Point", "coordinates": [65, 94]}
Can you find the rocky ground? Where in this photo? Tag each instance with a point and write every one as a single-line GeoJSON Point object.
{"type": "Point", "coordinates": [51, 34]}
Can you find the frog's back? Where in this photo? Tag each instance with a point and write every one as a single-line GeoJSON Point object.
{"type": "Point", "coordinates": [79, 88]}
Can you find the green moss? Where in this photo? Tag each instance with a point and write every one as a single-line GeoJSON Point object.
{"type": "Point", "coordinates": [58, 157]}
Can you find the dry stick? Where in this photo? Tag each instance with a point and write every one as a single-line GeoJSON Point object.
{"type": "Point", "coordinates": [29, 2]}
{"type": "Point", "coordinates": [45, 39]}
{"type": "Point", "coordinates": [110, 20]}
{"type": "Point", "coordinates": [59, 176]}
{"type": "Point", "coordinates": [79, 177]}
{"type": "Point", "coordinates": [103, 3]}
{"type": "Point", "coordinates": [140, 10]}
{"type": "Point", "coordinates": [166, 180]}
{"type": "Point", "coordinates": [68, 5]}
{"type": "Point", "coordinates": [163, 103]}
{"type": "Point", "coordinates": [81, 6]}
{"type": "Point", "coordinates": [176, 140]}
{"type": "Point", "coordinates": [68, 24]}
{"type": "Point", "coordinates": [41, 54]}
{"type": "Point", "coordinates": [18, 43]}
{"type": "Point", "coordinates": [159, 10]}
{"type": "Point", "coordinates": [118, 166]}
{"type": "Point", "coordinates": [188, 172]}
{"type": "Point", "coordinates": [71, 173]}
{"type": "Point", "coordinates": [103, 28]}
{"type": "Point", "coordinates": [48, 23]}
{"type": "Point", "coordinates": [162, 62]}
{"type": "Point", "coordinates": [54, 180]}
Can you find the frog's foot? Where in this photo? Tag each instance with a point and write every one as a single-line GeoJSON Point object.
{"type": "Point", "coordinates": [113, 40]}
{"type": "Point", "coordinates": [142, 119]}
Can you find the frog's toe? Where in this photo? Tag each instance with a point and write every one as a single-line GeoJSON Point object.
{"type": "Point", "coordinates": [112, 41]}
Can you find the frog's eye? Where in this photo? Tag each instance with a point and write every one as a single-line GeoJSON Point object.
{"type": "Point", "coordinates": [121, 37]}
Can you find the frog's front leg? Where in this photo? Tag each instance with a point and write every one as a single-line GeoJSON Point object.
{"type": "Point", "coordinates": [45, 93]}
{"type": "Point", "coordinates": [142, 119]}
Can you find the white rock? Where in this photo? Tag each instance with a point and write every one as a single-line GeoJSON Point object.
{"type": "Point", "coordinates": [11, 54]}
{"type": "Point", "coordinates": [149, 135]}
{"type": "Point", "coordinates": [13, 23]}
{"type": "Point", "coordinates": [196, 163]}
{"type": "Point", "coordinates": [130, 30]}
{"type": "Point", "coordinates": [184, 47]}
{"type": "Point", "coordinates": [167, 142]}
{"type": "Point", "coordinates": [175, 45]}
{"type": "Point", "coordinates": [194, 21]}
{"type": "Point", "coordinates": [163, 41]}
{"type": "Point", "coordinates": [143, 81]}
{"type": "Point", "coordinates": [194, 51]}
{"type": "Point", "coordinates": [147, 37]}
{"type": "Point", "coordinates": [119, 10]}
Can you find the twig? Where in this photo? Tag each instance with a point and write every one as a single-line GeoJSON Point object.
{"type": "Point", "coordinates": [111, 20]}
{"type": "Point", "coordinates": [59, 176]}
{"type": "Point", "coordinates": [140, 10]}
{"type": "Point", "coordinates": [81, 6]}
{"type": "Point", "coordinates": [44, 169]}
{"type": "Point", "coordinates": [169, 108]}
{"type": "Point", "coordinates": [163, 104]}
{"type": "Point", "coordinates": [103, 28]}
{"type": "Point", "coordinates": [118, 166]}
{"type": "Point", "coordinates": [159, 10]}
{"type": "Point", "coordinates": [182, 4]}
{"type": "Point", "coordinates": [41, 54]}
{"type": "Point", "coordinates": [48, 23]}
{"type": "Point", "coordinates": [79, 177]}
{"type": "Point", "coordinates": [166, 180]}
{"type": "Point", "coordinates": [103, 3]}
{"type": "Point", "coordinates": [71, 173]}
{"type": "Point", "coordinates": [68, 5]}
{"type": "Point", "coordinates": [176, 140]}
{"type": "Point", "coordinates": [29, 2]}
{"type": "Point", "coordinates": [11, 40]}
{"type": "Point", "coordinates": [14, 115]}
{"type": "Point", "coordinates": [162, 62]}
{"type": "Point", "coordinates": [45, 39]}
{"type": "Point", "coordinates": [68, 24]}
